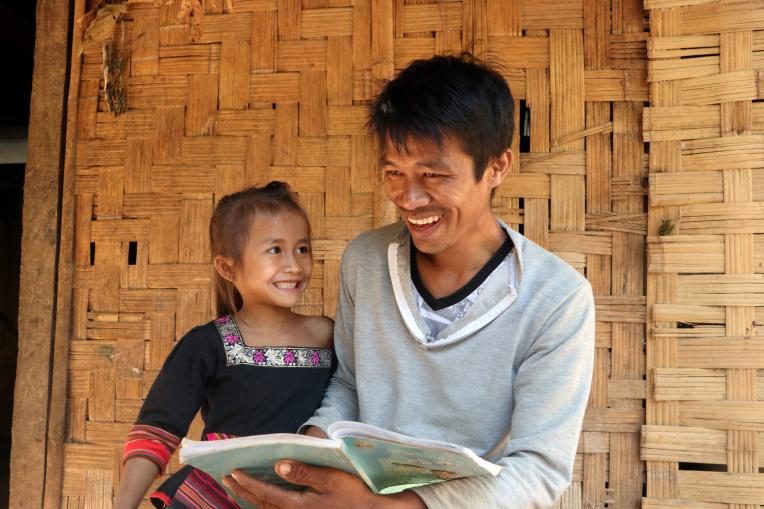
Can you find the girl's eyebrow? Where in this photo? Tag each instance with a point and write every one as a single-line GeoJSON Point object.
{"type": "Point", "coordinates": [274, 240]}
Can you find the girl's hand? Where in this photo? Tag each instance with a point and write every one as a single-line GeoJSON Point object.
{"type": "Point", "coordinates": [327, 489]}
{"type": "Point", "coordinates": [315, 431]}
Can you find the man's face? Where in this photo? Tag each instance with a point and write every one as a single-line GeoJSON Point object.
{"type": "Point", "coordinates": [435, 192]}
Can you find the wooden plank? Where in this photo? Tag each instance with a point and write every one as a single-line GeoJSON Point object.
{"type": "Point", "coordinates": [38, 271]}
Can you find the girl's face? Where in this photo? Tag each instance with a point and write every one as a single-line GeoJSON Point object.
{"type": "Point", "coordinates": [276, 262]}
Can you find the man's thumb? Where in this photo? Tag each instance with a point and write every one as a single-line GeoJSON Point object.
{"type": "Point", "coordinates": [299, 473]}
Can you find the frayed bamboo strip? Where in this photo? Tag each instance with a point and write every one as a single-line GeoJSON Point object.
{"type": "Point", "coordinates": [681, 123]}
{"type": "Point", "coordinates": [682, 443]}
{"type": "Point", "coordinates": [682, 47]}
{"type": "Point", "coordinates": [326, 22]}
{"type": "Point", "coordinates": [730, 488]}
{"type": "Point", "coordinates": [719, 88]}
{"type": "Point", "coordinates": [682, 68]}
{"type": "Point", "coordinates": [686, 254]}
{"type": "Point", "coordinates": [666, 4]}
{"type": "Point", "coordinates": [689, 384]}
{"type": "Point", "coordinates": [688, 313]}
{"type": "Point", "coordinates": [685, 188]}
{"type": "Point", "coordinates": [722, 290]}
{"type": "Point", "coordinates": [714, 17]}
{"type": "Point", "coordinates": [726, 152]}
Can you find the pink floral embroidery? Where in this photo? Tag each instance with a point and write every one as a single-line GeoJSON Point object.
{"type": "Point", "coordinates": [239, 353]}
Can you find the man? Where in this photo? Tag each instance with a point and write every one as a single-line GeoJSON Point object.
{"type": "Point", "coordinates": [452, 326]}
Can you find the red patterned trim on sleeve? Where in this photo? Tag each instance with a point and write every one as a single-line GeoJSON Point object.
{"type": "Point", "coordinates": [152, 443]}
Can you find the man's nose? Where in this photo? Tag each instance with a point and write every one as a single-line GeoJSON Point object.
{"type": "Point", "coordinates": [413, 196]}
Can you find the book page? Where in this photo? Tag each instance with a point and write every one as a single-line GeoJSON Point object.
{"type": "Point", "coordinates": [391, 460]}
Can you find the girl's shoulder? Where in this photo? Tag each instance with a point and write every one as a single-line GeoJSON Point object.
{"type": "Point", "coordinates": [206, 336]}
{"type": "Point", "coordinates": [318, 330]}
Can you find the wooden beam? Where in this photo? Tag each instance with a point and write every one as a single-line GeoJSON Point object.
{"type": "Point", "coordinates": [39, 255]}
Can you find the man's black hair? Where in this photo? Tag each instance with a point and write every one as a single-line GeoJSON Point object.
{"type": "Point", "coordinates": [455, 96]}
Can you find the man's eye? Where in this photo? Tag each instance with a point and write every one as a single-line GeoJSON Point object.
{"type": "Point", "coordinates": [430, 175]}
{"type": "Point", "coordinates": [392, 173]}
{"type": "Point", "coordinates": [274, 250]}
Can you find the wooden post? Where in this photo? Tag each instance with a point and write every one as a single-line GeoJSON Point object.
{"type": "Point", "coordinates": [39, 255]}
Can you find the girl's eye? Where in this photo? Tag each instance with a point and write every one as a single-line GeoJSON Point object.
{"type": "Point", "coordinates": [303, 250]}
{"type": "Point", "coordinates": [274, 250]}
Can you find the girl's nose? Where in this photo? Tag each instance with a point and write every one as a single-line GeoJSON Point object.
{"type": "Point", "coordinates": [291, 264]}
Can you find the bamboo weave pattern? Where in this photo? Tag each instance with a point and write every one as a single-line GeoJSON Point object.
{"type": "Point", "coordinates": [705, 414]}
{"type": "Point", "coordinates": [278, 89]}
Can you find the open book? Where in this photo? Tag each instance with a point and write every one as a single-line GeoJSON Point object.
{"type": "Point", "coordinates": [386, 461]}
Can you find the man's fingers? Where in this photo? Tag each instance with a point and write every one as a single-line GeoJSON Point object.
{"type": "Point", "coordinates": [261, 494]}
{"type": "Point", "coordinates": [315, 478]}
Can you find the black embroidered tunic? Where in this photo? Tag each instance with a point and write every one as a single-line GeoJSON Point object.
{"type": "Point", "coordinates": [241, 390]}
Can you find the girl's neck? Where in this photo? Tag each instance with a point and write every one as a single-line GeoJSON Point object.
{"type": "Point", "coordinates": [264, 320]}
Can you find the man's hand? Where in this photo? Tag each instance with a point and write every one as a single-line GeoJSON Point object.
{"type": "Point", "coordinates": [327, 489]}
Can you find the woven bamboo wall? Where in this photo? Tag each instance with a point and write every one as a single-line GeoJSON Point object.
{"type": "Point", "coordinates": [705, 410]}
{"type": "Point", "coordinates": [278, 90]}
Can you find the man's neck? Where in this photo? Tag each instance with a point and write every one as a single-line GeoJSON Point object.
{"type": "Point", "coordinates": [446, 272]}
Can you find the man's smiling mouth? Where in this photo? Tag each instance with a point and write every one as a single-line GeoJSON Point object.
{"type": "Point", "coordinates": [424, 220]}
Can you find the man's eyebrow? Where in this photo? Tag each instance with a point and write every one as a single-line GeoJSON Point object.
{"type": "Point", "coordinates": [436, 164]}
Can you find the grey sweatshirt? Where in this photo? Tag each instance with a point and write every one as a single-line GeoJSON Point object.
{"type": "Point", "coordinates": [510, 381]}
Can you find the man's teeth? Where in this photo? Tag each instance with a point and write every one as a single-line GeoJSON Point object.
{"type": "Point", "coordinates": [290, 285]}
{"type": "Point", "coordinates": [424, 220]}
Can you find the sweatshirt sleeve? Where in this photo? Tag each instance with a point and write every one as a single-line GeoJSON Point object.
{"type": "Point", "coordinates": [340, 402]}
{"type": "Point", "coordinates": [551, 392]}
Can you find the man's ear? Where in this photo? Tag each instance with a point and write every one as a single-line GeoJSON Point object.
{"type": "Point", "coordinates": [498, 168]}
{"type": "Point", "coordinates": [224, 267]}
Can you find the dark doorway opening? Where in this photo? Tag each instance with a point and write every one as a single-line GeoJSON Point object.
{"type": "Point", "coordinates": [17, 38]}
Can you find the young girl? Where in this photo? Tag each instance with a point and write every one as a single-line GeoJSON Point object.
{"type": "Point", "coordinates": [259, 368]}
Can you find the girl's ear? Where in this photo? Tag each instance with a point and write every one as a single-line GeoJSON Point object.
{"type": "Point", "coordinates": [224, 267]}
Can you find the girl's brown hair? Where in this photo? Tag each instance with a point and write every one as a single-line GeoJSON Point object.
{"type": "Point", "coordinates": [229, 231]}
